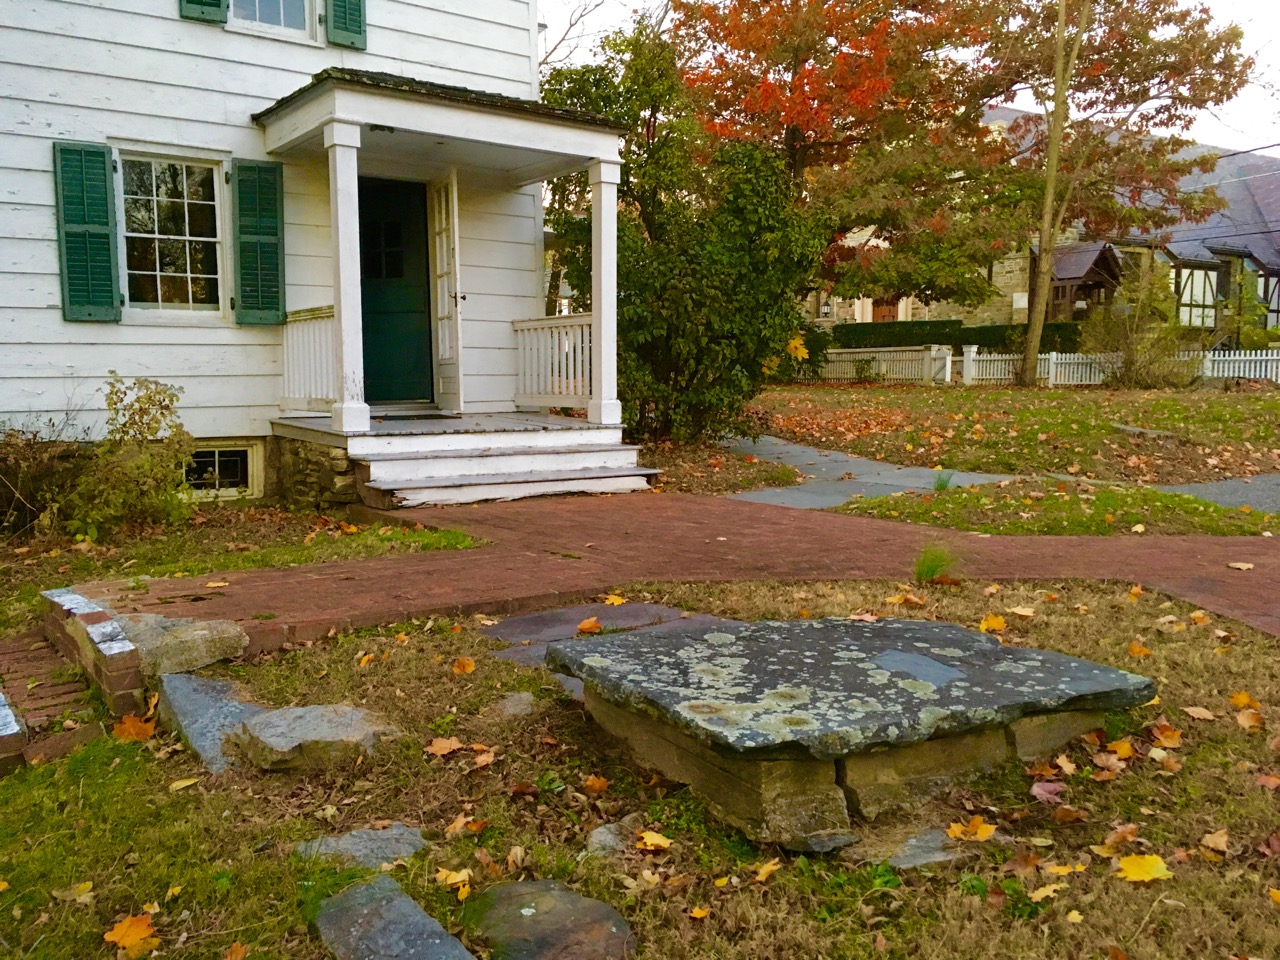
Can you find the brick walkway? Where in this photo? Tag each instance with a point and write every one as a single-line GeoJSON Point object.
{"type": "Point", "coordinates": [38, 682]}
{"type": "Point", "coordinates": [549, 550]}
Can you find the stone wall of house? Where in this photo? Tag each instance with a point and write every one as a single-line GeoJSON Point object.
{"type": "Point", "coordinates": [1012, 279]}
{"type": "Point", "coordinates": [312, 476]}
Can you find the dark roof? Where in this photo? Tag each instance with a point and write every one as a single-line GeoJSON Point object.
{"type": "Point", "coordinates": [1248, 226]}
{"type": "Point", "coordinates": [1076, 261]}
{"type": "Point", "coordinates": [425, 89]}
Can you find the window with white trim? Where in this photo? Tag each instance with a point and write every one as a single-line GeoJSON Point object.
{"type": "Point", "coordinates": [1197, 293]}
{"type": "Point", "coordinates": [173, 247]}
{"type": "Point", "coordinates": [290, 14]}
{"type": "Point", "coordinates": [226, 470]}
{"type": "Point", "coordinates": [1269, 294]}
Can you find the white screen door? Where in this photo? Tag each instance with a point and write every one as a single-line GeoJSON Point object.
{"type": "Point", "coordinates": [446, 297]}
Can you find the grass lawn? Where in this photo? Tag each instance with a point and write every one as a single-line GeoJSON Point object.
{"type": "Point", "coordinates": [711, 469]}
{"type": "Point", "coordinates": [1036, 431]}
{"type": "Point", "coordinates": [216, 538]}
{"type": "Point", "coordinates": [109, 815]}
{"type": "Point", "coordinates": [1036, 506]}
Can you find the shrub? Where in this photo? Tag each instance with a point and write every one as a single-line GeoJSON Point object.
{"type": "Point", "coordinates": [38, 466]}
{"type": "Point", "coordinates": [1062, 336]}
{"type": "Point", "coordinates": [138, 473]}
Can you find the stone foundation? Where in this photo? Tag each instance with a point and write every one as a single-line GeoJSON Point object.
{"type": "Point", "coordinates": [313, 476]}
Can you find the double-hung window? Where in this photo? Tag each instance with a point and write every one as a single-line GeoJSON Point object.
{"type": "Point", "coordinates": [290, 14]}
{"type": "Point", "coordinates": [173, 250]}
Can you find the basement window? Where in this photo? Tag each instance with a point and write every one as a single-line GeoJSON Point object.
{"type": "Point", "coordinates": [226, 472]}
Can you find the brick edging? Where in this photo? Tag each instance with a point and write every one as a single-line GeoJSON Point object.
{"type": "Point", "coordinates": [87, 633]}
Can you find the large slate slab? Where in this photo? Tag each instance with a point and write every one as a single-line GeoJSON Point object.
{"type": "Point", "coordinates": [833, 687]}
{"type": "Point", "coordinates": [204, 711]}
{"type": "Point", "coordinates": [1261, 492]}
{"type": "Point", "coordinates": [166, 645]}
{"type": "Point", "coordinates": [366, 848]}
{"type": "Point", "coordinates": [545, 920]}
{"type": "Point", "coordinates": [376, 920]}
{"type": "Point", "coordinates": [308, 738]}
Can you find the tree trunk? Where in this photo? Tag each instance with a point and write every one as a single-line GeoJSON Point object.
{"type": "Point", "coordinates": [554, 278]}
{"type": "Point", "coordinates": [1049, 215]}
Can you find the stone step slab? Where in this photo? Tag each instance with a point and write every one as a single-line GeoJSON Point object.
{"type": "Point", "coordinates": [308, 738]}
{"type": "Point", "coordinates": [366, 848]}
{"type": "Point", "coordinates": [377, 920]}
{"type": "Point", "coordinates": [545, 920]}
{"type": "Point", "coordinates": [204, 711]}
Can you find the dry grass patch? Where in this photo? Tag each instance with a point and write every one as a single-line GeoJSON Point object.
{"type": "Point", "coordinates": [107, 815]}
{"type": "Point", "coordinates": [711, 469]}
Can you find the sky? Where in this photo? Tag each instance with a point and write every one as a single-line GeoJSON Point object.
{"type": "Point", "coordinates": [1249, 121]}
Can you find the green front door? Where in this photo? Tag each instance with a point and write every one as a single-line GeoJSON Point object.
{"type": "Point", "coordinates": [393, 291]}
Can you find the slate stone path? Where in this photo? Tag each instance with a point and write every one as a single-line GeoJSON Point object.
{"type": "Point", "coordinates": [545, 920]}
{"type": "Point", "coordinates": [377, 920]}
{"type": "Point", "coordinates": [832, 478]}
{"type": "Point", "coordinates": [1261, 492]}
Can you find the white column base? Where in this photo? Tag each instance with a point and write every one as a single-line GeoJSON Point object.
{"type": "Point", "coordinates": [607, 413]}
{"type": "Point", "coordinates": [351, 417]}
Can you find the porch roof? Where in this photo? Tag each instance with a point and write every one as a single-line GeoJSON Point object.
{"type": "Point", "coordinates": [522, 141]}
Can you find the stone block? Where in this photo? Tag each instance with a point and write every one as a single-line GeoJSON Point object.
{"type": "Point", "coordinates": [792, 801]}
{"type": "Point", "coordinates": [366, 848]}
{"type": "Point", "coordinates": [13, 737]}
{"type": "Point", "coordinates": [892, 777]}
{"type": "Point", "coordinates": [204, 711]}
{"type": "Point", "coordinates": [376, 920]}
{"type": "Point", "coordinates": [545, 920]}
{"type": "Point", "coordinates": [308, 738]}
{"type": "Point", "coordinates": [59, 745]}
{"type": "Point", "coordinates": [1042, 733]}
{"type": "Point", "coordinates": [178, 646]}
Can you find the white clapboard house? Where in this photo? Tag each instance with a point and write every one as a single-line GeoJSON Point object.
{"type": "Point", "coordinates": [322, 220]}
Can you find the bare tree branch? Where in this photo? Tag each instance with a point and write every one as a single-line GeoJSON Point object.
{"type": "Point", "coordinates": [566, 45]}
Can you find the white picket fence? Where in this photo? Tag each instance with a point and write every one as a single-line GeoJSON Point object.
{"type": "Point", "coordinates": [935, 364]}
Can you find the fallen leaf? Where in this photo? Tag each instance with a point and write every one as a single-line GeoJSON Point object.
{"type": "Point", "coordinates": [1274, 894]}
{"type": "Point", "coordinates": [443, 746]}
{"type": "Point", "coordinates": [1165, 734]}
{"type": "Point", "coordinates": [1025, 612]}
{"type": "Point", "coordinates": [1138, 528]}
{"type": "Point", "coordinates": [1199, 618]}
{"type": "Point", "coordinates": [1143, 868]}
{"type": "Point", "coordinates": [767, 870]}
{"type": "Point", "coordinates": [1075, 916]}
{"type": "Point", "coordinates": [595, 786]}
{"type": "Point", "coordinates": [650, 840]}
{"type": "Point", "coordinates": [453, 878]}
{"type": "Point", "coordinates": [590, 625]}
{"type": "Point", "coordinates": [81, 893]}
{"type": "Point", "coordinates": [1251, 721]}
{"type": "Point", "coordinates": [1025, 864]}
{"type": "Point", "coordinates": [614, 600]}
{"type": "Point", "coordinates": [457, 826]}
{"type": "Point", "coordinates": [133, 935]}
{"type": "Point", "coordinates": [1268, 780]}
{"type": "Point", "coordinates": [1135, 592]}
{"type": "Point", "coordinates": [992, 623]}
{"type": "Point", "coordinates": [991, 591]}
{"type": "Point", "coordinates": [1216, 841]}
{"type": "Point", "coordinates": [464, 665]}
{"type": "Point", "coordinates": [1122, 748]}
{"type": "Point", "coordinates": [976, 830]}
{"type": "Point", "coordinates": [237, 951]}
{"type": "Point", "coordinates": [1046, 892]}
{"type": "Point", "coordinates": [1125, 833]}
{"type": "Point", "coordinates": [1067, 814]}
{"type": "Point", "coordinates": [366, 660]}
{"type": "Point", "coordinates": [133, 727]}
{"type": "Point", "coordinates": [171, 893]}
{"type": "Point", "coordinates": [1239, 565]}
{"type": "Point", "coordinates": [699, 913]}
{"type": "Point", "coordinates": [1063, 869]}
{"type": "Point", "coordinates": [1199, 713]}
{"type": "Point", "coordinates": [1065, 765]}
{"type": "Point", "coordinates": [1049, 794]}
{"type": "Point", "coordinates": [183, 784]}
{"type": "Point", "coordinates": [485, 759]}
{"type": "Point", "coordinates": [1243, 700]}
{"type": "Point", "coordinates": [1136, 649]}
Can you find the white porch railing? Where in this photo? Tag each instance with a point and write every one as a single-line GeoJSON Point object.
{"type": "Point", "coordinates": [553, 357]}
{"type": "Point", "coordinates": [310, 361]}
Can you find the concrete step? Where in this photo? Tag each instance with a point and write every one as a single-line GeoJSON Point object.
{"type": "Point", "coordinates": [521, 461]}
{"type": "Point", "coordinates": [409, 444]}
{"type": "Point", "coordinates": [384, 495]}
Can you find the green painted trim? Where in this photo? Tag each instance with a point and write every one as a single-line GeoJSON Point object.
{"type": "Point", "coordinates": [344, 23]}
{"type": "Point", "coordinates": [258, 307]}
{"type": "Point", "coordinates": [96, 240]}
{"type": "Point", "coordinates": [208, 11]}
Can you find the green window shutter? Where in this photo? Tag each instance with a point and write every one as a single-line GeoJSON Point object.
{"type": "Point", "coordinates": [344, 23]}
{"type": "Point", "coordinates": [87, 232]}
{"type": "Point", "coordinates": [210, 11]}
{"type": "Point", "coordinates": [257, 192]}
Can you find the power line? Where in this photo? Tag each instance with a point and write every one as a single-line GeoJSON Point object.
{"type": "Point", "coordinates": [1241, 153]}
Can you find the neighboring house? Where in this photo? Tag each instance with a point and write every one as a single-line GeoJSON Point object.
{"type": "Point", "coordinates": [322, 220]}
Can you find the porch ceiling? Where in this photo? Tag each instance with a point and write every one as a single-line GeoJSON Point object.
{"type": "Point", "coordinates": [434, 127]}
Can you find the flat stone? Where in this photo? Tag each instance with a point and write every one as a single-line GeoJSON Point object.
{"type": "Point", "coordinates": [308, 738]}
{"type": "Point", "coordinates": [513, 705]}
{"type": "Point", "coordinates": [562, 624]}
{"type": "Point", "coordinates": [376, 920]}
{"type": "Point", "coordinates": [366, 848]}
{"type": "Point", "coordinates": [545, 920]}
{"type": "Point", "coordinates": [930, 848]}
{"type": "Point", "coordinates": [179, 646]}
{"type": "Point", "coordinates": [204, 711]}
{"type": "Point", "coordinates": [1144, 431]}
{"type": "Point", "coordinates": [611, 839]}
{"type": "Point", "coordinates": [829, 688]}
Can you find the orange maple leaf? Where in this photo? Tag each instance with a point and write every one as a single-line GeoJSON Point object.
{"type": "Point", "coordinates": [133, 727]}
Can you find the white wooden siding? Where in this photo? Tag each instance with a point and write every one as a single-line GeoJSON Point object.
{"type": "Point", "coordinates": [144, 78]}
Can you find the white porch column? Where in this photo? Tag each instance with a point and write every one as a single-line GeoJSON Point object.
{"type": "Point", "coordinates": [342, 141]}
{"type": "Point", "coordinates": [604, 407]}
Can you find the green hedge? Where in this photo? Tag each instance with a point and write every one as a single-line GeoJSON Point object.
{"type": "Point", "coordinates": [1062, 336]}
